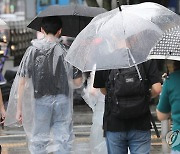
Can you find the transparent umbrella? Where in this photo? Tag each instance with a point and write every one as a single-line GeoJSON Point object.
{"type": "Point", "coordinates": [121, 37]}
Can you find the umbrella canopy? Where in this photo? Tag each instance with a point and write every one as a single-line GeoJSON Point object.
{"type": "Point", "coordinates": [74, 17]}
{"type": "Point", "coordinates": [168, 46]}
{"type": "Point", "coordinates": [121, 39]}
{"type": "Point", "coordinates": [3, 25]}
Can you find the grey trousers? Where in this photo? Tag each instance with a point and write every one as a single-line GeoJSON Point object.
{"type": "Point", "coordinates": [52, 126]}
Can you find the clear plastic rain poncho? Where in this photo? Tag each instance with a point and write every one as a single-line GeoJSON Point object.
{"type": "Point", "coordinates": [42, 85]}
{"type": "Point", "coordinates": [95, 99]}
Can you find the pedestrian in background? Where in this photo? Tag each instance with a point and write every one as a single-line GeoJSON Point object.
{"type": "Point", "coordinates": [43, 92]}
{"type": "Point", "coordinates": [95, 99]}
{"type": "Point", "coordinates": [169, 105]}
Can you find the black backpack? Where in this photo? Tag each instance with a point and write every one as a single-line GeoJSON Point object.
{"type": "Point", "coordinates": [46, 82]}
{"type": "Point", "coordinates": [128, 92]}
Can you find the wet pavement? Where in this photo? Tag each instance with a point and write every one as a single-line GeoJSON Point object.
{"type": "Point", "coordinates": [81, 147]}
{"type": "Point", "coordinates": [13, 140]}
{"type": "Point", "coordinates": [17, 144]}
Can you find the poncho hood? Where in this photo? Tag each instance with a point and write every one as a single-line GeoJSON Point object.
{"type": "Point", "coordinates": [45, 45]}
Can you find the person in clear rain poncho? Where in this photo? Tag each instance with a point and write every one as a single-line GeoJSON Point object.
{"type": "Point", "coordinates": [95, 99]}
{"type": "Point", "coordinates": [41, 95]}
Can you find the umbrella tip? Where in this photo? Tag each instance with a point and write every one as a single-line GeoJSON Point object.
{"type": "Point", "coordinates": [119, 5]}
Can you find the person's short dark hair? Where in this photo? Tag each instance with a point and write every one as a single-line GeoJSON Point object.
{"type": "Point", "coordinates": [51, 24]}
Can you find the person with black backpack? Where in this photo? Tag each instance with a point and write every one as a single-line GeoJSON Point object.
{"type": "Point", "coordinates": [127, 120]}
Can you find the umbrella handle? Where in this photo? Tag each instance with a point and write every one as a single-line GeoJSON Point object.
{"type": "Point", "coordinates": [135, 64]}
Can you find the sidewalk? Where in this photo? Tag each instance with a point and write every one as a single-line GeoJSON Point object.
{"type": "Point", "coordinates": [13, 141]}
